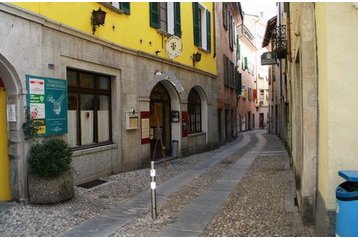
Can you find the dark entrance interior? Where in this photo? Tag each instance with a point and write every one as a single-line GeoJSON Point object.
{"type": "Point", "coordinates": [160, 116]}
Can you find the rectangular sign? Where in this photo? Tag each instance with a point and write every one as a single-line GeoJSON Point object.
{"type": "Point", "coordinates": [47, 103]}
{"type": "Point", "coordinates": [269, 58]}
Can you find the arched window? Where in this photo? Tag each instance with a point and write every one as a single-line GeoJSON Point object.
{"type": "Point", "coordinates": [194, 111]}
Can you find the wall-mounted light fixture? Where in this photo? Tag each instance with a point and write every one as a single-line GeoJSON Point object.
{"type": "Point", "coordinates": [97, 19]}
{"type": "Point", "coordinates": [196, 57]}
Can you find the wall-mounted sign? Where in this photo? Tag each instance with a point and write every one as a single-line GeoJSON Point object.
{"type": "Point", "coordinates": [132, 120]}
{"type": "Point", "coordinates": [173, 46]}
{"type": "Point", "coordinates": [47, 104]}
{"type": "Point", "coordinates": [174, 116]}
{"type": "Point", "coordinates": [145, 127]}
{"type": "Point", "coordinates": [269, 58]}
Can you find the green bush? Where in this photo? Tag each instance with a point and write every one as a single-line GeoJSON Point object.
{"type": "Point", "coordinates": [51, 158]}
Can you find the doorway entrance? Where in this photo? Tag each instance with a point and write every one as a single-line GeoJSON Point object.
{"type": "Point", "coordinates": [160, 107]}
{"type": "Point", "coordinates": [5, 194]}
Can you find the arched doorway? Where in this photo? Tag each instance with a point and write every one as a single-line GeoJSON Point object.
{"type": "Point", "coordinates": [5, 194]}
{"type": "Point", "coordinates": [160, 108]}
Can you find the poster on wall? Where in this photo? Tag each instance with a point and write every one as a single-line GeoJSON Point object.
{"type": "Point", "coordinates": [47, 104]}
{"type": "Point", "coordinates": [145, 127]}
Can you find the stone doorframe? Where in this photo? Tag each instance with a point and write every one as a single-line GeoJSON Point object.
{"type": "Point", "coordinates": [18, 149]}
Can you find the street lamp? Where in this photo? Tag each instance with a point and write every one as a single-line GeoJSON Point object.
{"type": "Point", "coordinates": [97, 19]}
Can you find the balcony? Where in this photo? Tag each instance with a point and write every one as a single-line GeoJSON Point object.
{"type": "Point", "coordinates": [279, 41]}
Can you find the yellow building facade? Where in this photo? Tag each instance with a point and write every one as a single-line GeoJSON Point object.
{"type": "Point", "coordinates": [130, 30]}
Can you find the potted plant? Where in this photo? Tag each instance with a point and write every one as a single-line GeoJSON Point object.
{"type": "Point", "coordinates": [51, 177]}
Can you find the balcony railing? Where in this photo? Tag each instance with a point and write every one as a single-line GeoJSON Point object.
{"type": "Point", "coordinates": [279, 41]}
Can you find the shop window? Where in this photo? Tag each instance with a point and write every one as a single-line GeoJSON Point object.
{"type": "Point", "coordinates": [89, 114]}
{"type": "Point", "coordinates": [194, 111]}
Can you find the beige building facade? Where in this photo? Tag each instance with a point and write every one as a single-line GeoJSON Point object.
{"type": "Point", "coordinates": [320, 82]}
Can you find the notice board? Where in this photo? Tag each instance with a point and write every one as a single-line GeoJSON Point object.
{"type": "Point", "coordinates": [47, 104]}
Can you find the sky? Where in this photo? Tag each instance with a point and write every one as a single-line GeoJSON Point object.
{"type": "Point", "coordinates": [268, 7]}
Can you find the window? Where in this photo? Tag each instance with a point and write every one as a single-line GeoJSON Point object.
{"type": "Point", "coordinates": [194, 111]}
{"type": "Point", "coordinates": [89, 114]}
{"type": "Point", "coordinates": [201, 26]}
{"type": "Point", "coordinates": [123, 6]}
{"type": "Point", "coordinates": [238, 82]}
{"type": "Point", "coordinates": [165, 16]}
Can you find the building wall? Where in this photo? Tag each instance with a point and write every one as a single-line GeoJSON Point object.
{"type": "Point", "coordinates": [337, 35]}
{"type": "Point", "coordinates": [42, 42]}
{"type": "Point", "coordinates": [227, 97]}
{"type": "Point", "coordinates": [123, 30]}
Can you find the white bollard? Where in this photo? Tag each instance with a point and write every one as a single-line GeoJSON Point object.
{"type": "Point", "coordinates": [153, 187]}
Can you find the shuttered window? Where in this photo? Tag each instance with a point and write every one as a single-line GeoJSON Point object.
{"type": "Point", "coordinates": [166, 17]}
{"type": "Point", "coordinates": [201, 26]}
{"type": "Point", "coordinates": [125, 7]}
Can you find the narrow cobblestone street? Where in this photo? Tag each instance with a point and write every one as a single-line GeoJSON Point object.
{"type": "Point", "coordinates": [244, 188]}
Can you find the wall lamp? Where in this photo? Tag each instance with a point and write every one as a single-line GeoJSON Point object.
{"type": "Point", "coordinates": [97, 19]}
{"type": "Point", "coordinates": [196, 57]}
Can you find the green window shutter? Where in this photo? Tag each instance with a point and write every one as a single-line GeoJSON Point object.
{"type": "Point", "coordinates": [237, 48]}
{"type": "Point", "coordinates": [225, 15]}
{"type": "Point", "coordinates": [126, 7]}
{"type": "Point", "coordinates": [177, 20]}
{"type": "Point", "coordinates": [196, 23]}
{"type": "Point", "coordinates": [154, 14]}
{"type": "Point", "coordinates": [208, 31]}
{"type": "Point", "coordinates": [245, 63]}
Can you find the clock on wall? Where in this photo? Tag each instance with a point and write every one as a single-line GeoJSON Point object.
{"type": "Point", "coordinates": [173, 46]}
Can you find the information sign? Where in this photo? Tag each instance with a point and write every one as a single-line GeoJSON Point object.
{"type": "Point", "coordinates": [47, 103]}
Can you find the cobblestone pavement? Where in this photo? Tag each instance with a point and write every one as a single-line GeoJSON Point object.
{"type": "Point", "coordinates": [261, 204]}
{"type": "Point", "coordinates": [54, 220]}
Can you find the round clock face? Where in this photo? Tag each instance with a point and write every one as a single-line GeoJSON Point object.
{"type": "Point", "coordinates": [173, 46]}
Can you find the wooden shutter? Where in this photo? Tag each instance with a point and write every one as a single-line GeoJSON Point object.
{"type": "Point", "coordinates": [245, 63]}
{"type": "Point", "coordinates": [237, 48]}
{"type": "Point", "coordinates": [125, 7]}
{"type": "Point", "coordinates": [208, 31]}
{"type": "Point", "coordinates": [225, 15]}
{"type": "Point", "coordinates": [177, 20]}
{"type": "Point", "coordinates": [238, 82]}
{"type": "Point", "coordinates": [196, 23]}
{"type": "Point", "coordinates": [154, 14]}
{"type": "Point", "coordinates": [230, 25]}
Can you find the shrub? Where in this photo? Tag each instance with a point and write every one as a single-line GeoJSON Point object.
{"type": "Point", "coordinates": [51, 158]}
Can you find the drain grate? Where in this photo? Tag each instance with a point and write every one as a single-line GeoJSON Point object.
{"type": "Point", "coordinates": [92, 184]}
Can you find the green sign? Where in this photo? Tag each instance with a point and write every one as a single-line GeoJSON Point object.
{"type": "Point", "coordinates": [47, 103]}
{"type": "Point", "coordinates": [269, 58]}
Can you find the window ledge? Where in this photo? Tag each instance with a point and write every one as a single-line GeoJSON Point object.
{"type": "Point", "coordinates": [109, 6]}
{"type": "Point", "coordinates": [203, 50]}
{"type": "Point", "coordinates": [164, 33]}
{"type": "Point", "coordinates": [92, 150]}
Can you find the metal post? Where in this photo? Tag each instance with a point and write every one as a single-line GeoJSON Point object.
{"type": "Point", "coordinates": [153, 190]}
